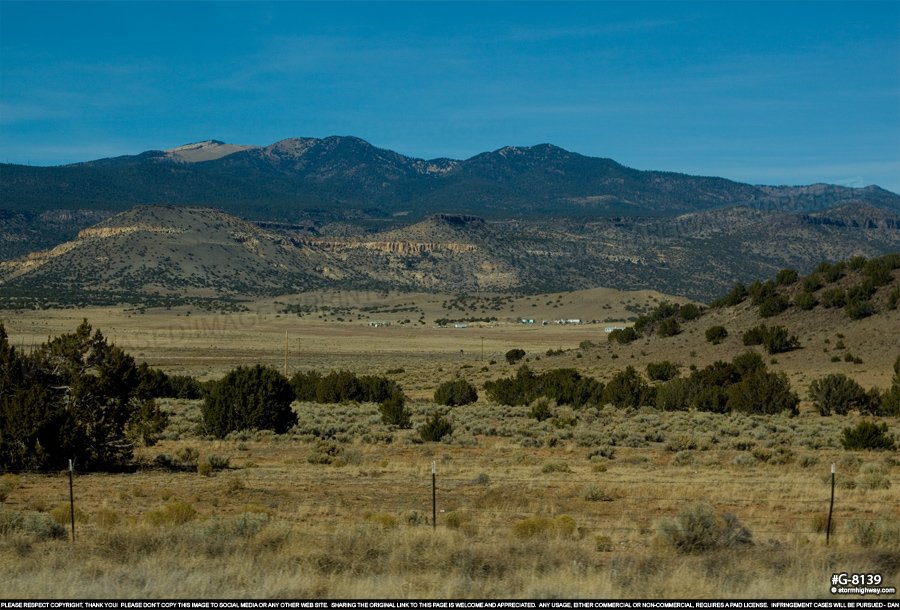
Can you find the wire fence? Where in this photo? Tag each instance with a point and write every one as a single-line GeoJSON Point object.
{"type": "Point", "coordinates": [602, 504]}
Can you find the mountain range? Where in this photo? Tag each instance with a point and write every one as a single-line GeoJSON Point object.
{"type": "Point", "coordinates": [308, 213]}
{"type": "Point", "coordinates": [336, 175]}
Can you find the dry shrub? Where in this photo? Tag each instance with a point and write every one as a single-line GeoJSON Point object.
{"type": "Point", "coordinates": [781, 456]}
{"type": "Point", "coordinates": [334, 453]}
{"type": "Point", "coordinates": [593, 493]}
{"type": "Point", "coordinates": [174, 513]}
{"type": "Point", "coordinates": [682, 458]}
{"type": "Point", "coordinates": [40, 504]}
{"type": "Point", "coordinates": [225, 537]}
{"type": "Point", "coordinates": [808, 461]}
{"type": "Point", "coordinates": [30, 525]}
{"type": "Point", "coordinates": [873, 476]}
{"type": "Point", "coordinates": [106, 518]}
{"type": "Point", "coordinates": [218, 462]}
{"type": "Point", "coordinates": [599, 466]}
{"type": "Point", "coordinates": [602, 453]}
{"type": "Point", "coordinates": [603, 544]}
{"type": "Point", "coordinates": [566, 526]}
{"type": "Point", "coordinates": [247, 525]}
{"type": "Point", "coordinates": [456, 519]}
{"type": "Point", "coordinates": [681, 442]}
{"type": "Point", "coordinates": [533, 526]}
{"type": "Point", "coordinates": [555, 466]}
{"type": "Point", "coordinates": [10, 521]}
{"type": "Point", "coordinates": [545, 527]}
{"type": "Point", "coordinates": [882, 532]}
{"type": "Point", "coordinates": [762, 454]}
{"type": "Point", "coordinates": [271, 538]}
{"type": "Point", "coordinates": [8, 482]}
{"type": "Point", "coordinates": [62, 514]}
{"type": "Point", "coordinates": [185, 460]}
{"type": "Point", "coordinates": [744, 460]}
{"type": "Point", "coordinates": [234, 486]}
{"type": "Point", "coordinates": [461, 521]}
{"type": "Point", "coordinates": [385, 520]}
{"type": "Point", "coordinates": [414, 517]}
{"type": "Point", "coordinates": [698, 529]}
{"type": "Point", "coordinates": [482, 479]}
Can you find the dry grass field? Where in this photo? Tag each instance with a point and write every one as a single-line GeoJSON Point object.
{"type": "Point", "coordinates": [584, 505]}
{"type": "Point", "coordinates": [334, 331]}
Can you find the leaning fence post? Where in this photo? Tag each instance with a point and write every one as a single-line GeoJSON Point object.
{"type": "Point", "coordinates": [830, 508]}
{"type": "Point", "coordinates": [72, 498]}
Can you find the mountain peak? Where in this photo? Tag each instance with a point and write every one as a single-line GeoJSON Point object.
{"type": "Point", "coordinates": [538, 150]}
{"type": "Point", "coordinates": [197, 145]}
{"type": "Point", "coordinates": [299, 146]}
{"type": "Point", "coordinates": [291, 147]}
{"type": "Point", "coordinates": [207, 150]}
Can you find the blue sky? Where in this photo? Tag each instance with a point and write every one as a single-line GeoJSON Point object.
{"type": "Point", "coordinates": [770, 92]}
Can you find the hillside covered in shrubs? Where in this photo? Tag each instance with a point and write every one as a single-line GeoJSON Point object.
{"type": "Point", "coordinates": [859, 287]}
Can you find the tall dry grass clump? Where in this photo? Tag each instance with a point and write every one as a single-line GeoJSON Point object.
{"type": "Point", "coordinates": [8, 482]}
{"type": "Point", "coordinates": [255, 555]}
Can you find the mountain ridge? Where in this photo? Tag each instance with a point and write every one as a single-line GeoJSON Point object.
{"type": "Point", "coordinates": [297, 176]}
{"type": "Point", "coordinates": [179, 252]}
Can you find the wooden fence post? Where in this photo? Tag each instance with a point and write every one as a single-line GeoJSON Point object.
{"type": "Point", "coordinates": [72, 498]}
{"type": "Point", "coordinates": [830, 509]}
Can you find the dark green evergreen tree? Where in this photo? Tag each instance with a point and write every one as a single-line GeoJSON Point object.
{"type": "Point", "coordinates": [249, 398]}
{"type": "Point", "coordinates": [77, 397]}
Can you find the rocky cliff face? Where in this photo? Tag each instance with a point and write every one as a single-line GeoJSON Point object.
{"type": "Point", "coordinates": [107, 232]}
{"type": "Point", "coordinates": [399, 248]}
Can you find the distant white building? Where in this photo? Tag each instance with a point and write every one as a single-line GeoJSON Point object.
{"type": "Point", "coordinates": [609, 329]}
